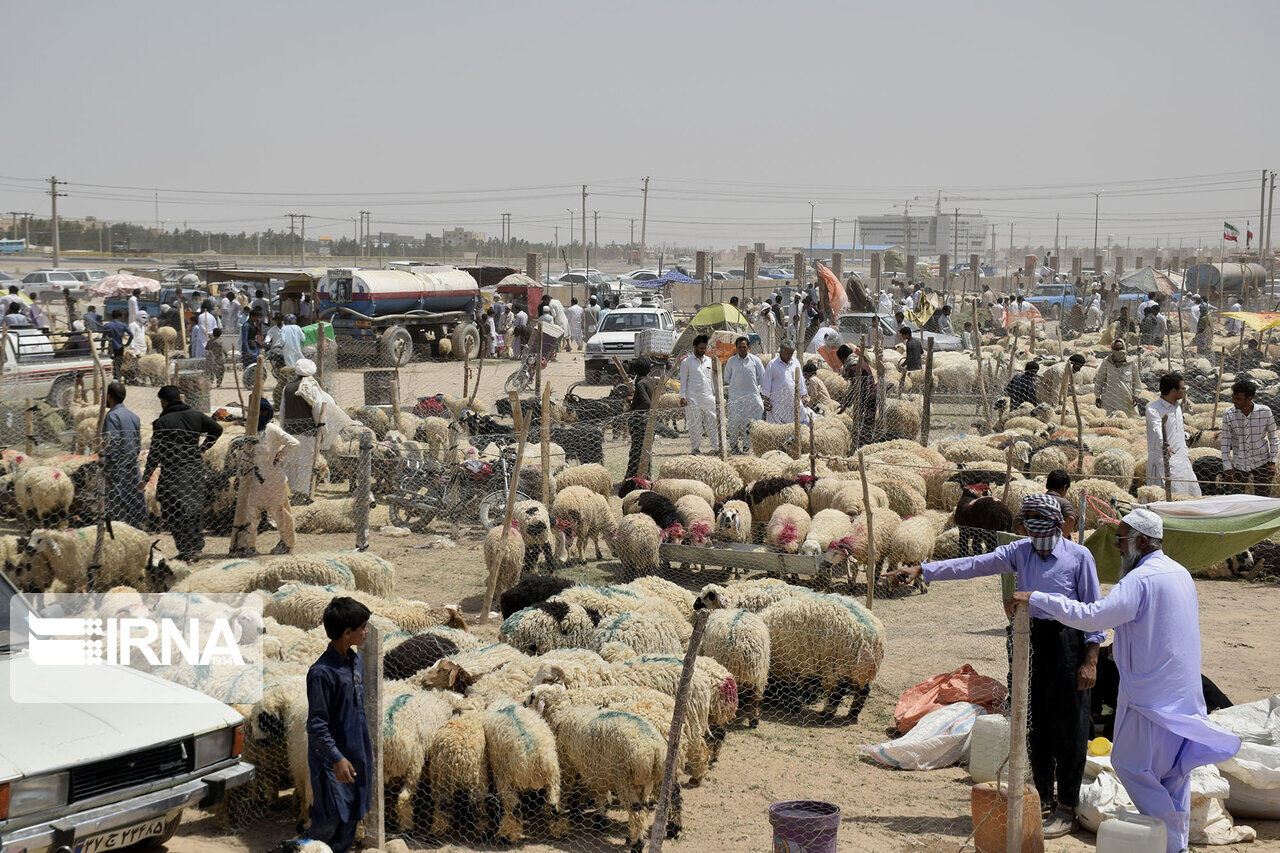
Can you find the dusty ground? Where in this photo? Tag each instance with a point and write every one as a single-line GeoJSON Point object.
{"type": "Point", "coordinates": [787, 757]}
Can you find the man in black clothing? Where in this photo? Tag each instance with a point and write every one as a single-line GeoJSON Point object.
{"type": "Point", "coordinates": [1022, 388]}
{"type": "Point", "coordinates": [915, 350]}
{"type": "Point", "coordinates": [638, 412]}
{"type": "Point", "coordinates": [179, 438]}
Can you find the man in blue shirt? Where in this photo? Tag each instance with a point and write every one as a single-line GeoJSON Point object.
{"type": "Point", "coordinates": [118, 337]}
{"type": "Point", "coordinates": [121, 432]}
{"type": "Point", "coordinates": [91, 319]}
{"type": "Point", "coordinates": [338, 745]}
{"type": "Point", "coordinates": [251, 338]}
{"type": "Point", "coordinates": [1063, 660]}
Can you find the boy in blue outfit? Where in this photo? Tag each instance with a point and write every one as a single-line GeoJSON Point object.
{"type": "Point", "coordinates": [338, 747]}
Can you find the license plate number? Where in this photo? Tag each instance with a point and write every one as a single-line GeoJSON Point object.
{"type": "Point", "coordinates": [123, 837]}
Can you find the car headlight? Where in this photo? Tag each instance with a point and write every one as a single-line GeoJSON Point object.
{"type": "Point", "coordinates": [594, 349]}
{"type": "Point", "coordinates": [38, 793]}
{"type": "Point", "coordinates": [215, 746]}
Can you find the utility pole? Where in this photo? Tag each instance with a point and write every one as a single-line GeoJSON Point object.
{"type": "Point", "coordinates": [1271, 207]}
{"type": "Point", "coordinates": [1057, 224]}
{"type": "Point", "coordinates": [812, 209]}
{"type": "Point", "coordinates": [570, 245]}
{"type": "Point", "coordinates": [584, 227]}
{"type": "Point", "coordinates": [364, 232]}
{"type": "Point", "coordinates": [1262, 210]}
{"type": "Point", "coordinates": [644, 220]}
{"type": "Point", "coordinates": [631, 244]}
{"type": "Point", "coordinates": [1095, 227]}
{"type": "Point", "coordinates": [302, 244]}
{"type": "Point", "coordinates": [595, 232]}
{"type": "Point", "coordinates": [292, 218]}
{"type": "Point", "coordinates": [13, 224]}
{"type": "Point", "coordinates": [955, 240]}
{"type": "Point", "coordinates": [833, 235]}
{"type": "Point", "coordinates": [53, 196]}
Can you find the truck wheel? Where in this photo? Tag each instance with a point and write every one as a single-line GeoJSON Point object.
{"type": "Point", "coordinates": [466, 338]}
{"type": "Point", "coordinates": [60, 395]}
{"type": "Point", "coordinates": [396, 346]}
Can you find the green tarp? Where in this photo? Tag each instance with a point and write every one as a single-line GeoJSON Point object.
{"type": "Point", "coordinates": [309, 333]}
{"type": "Point", "coordinates": [1196, 543]}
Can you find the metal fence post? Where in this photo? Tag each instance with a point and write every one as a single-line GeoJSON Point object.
{"type": "Point", "coordinates": [361, 503]}
{"type": "Point", "coordinates": [371, 652]}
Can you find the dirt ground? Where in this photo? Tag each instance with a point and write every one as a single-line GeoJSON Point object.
{"type": "Point", "coordinates": [787, 757]}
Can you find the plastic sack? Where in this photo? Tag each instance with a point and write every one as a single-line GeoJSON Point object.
{"type": "Point", "coordinates": [938, 739]}
{"type": "Point", "coordinates": [1254, 771]}
{"type": "Point", "coordinates": [962, 685]}
{"type": "Point", "coordinates": [1102, 796]}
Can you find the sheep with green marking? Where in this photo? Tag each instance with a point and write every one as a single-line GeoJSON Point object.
{"type": "Point", "coordinates": [520, 750]}
{"type": "Point", "coordinates": [739, 640]}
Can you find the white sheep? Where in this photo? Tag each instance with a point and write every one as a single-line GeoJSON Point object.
{"type": "Point", "coordinates": [754, 595]}
{"type": "Point", "coordinates": [830, 639]}
{"type": "Point", "coordinates": [227, 576]}
{"type": "Point", "coordinates": [458, 773]}
{"type": "Point", "coordinates": [373, 574]}
{"type": "Point", "coordinates": [410, 719]}
{"type": "Point", "coordinates": [719, 475]}
{"type": "Point", "coordinates": [643, 632]}
{"type": "Point", "coordinates": [739, 639]}
{"type": "Point", "coordinates": [520, 750]}
{"type": "Point", "coordinates": [753, 468]}
{"type": "Point", "coordinates": [673, 489]}
{"type": "Point", "coordinates": [606, 751]}
{"type": "Point", "coordinates": [59, 560]}
{"type": "Point", "coordinates": [328, 515]}
{"type": "Point", "coordinates": [593, 476]}
{"type": "Point", "coordinates": [637, 543]}
{"type": "Point", "coordinates": [733, 522]}
{"type": "Point", "coordinates": [912, 542]}
{"type": "Point", "coordinates": [651, 586]}
{"type": "Point", "coordinates": [587, 515]}
{"type": "Point", "coordinates": [548, 625]}
{"type": "Point", "coordinates": [505, 551]}
{"type": "Point", "coordinates": [43, 490]}
{"type": "Point", "coordinates": [458, 672]}
{"type": "Point", "coordinates": [302, 605]}
{"type": "Point", "coordinates": [696, 517]}
{"type": "Point", "coordinates": [539, 534]}
{"type": "Point", "coordinates": [787, 528]}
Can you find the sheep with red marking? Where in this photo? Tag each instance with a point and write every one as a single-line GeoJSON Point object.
{"type": "Point", "coordinates": [697, 519]}
{"type": "Point", "coordinates": [787, 528]}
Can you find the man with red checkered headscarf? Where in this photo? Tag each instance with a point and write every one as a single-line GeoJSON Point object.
{"type": "Point", "coordinates": [1063, 660]}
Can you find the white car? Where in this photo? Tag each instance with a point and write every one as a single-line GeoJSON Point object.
{"type": "Point", "coordinates": [87, 777]}
{"type": "Point", "coordinates": [615, 337]}
{"type": "Point", "coordinates": [45, 366]}
{"type": "Point", "coordinates": [639, 275]}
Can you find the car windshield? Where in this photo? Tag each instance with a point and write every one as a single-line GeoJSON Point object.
{"type": "Point", "coordinates": [629, 322]}
{"type": "Point", "coordinates": [62, 276]}
{"type": "Point", "coordinates": [572, 278]}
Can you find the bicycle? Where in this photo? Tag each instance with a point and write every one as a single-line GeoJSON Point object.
{"type": "Point", "coordinates": [430, 489]}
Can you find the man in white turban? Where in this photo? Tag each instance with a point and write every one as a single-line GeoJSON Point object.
{"type": "Point", "coordinates": [311, 416]}
{"type": "Point", "coordinates": [1162, 731]}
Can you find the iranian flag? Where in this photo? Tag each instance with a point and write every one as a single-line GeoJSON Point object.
{"type": "Point", "coordinates": [1230, 232]}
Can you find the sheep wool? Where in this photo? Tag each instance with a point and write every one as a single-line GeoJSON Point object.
{"type": "Point", "coordinates": [739, 640]}
{"type": "Point", "coordinates": [828, 638]}
{"type": "Point", "coordinates": [593, 476]}
{"type": "Point", "coordinates": [787, 528]}
{"type": "Point", "coordinates": [637, 544]}
{"type": "Point", "coordinates": [912, 542]}
{"type": "Point", "coordinates": [302, 605]}
{"type": "Point", "coordinates": [459, 774]}
{"type": "Point", "coordinates": [674, 489]}
{"type": "Point", "coordinates": [829, 527]}
{"type": "Point", "coordinates": [720, 476]}
{"type": "Point", "coordinates": [520, 751]}
{"type": "Point", "coordinates": [588, 516]}
{"type": "Point", "coordinates": [903, 499]}
{"type": "Point", "coordinates": [651, 586]}
{"type": "Point", "coordinates": [59, 560]}
{"type": "Point", "coordinates": [753, 468]}
{"type": "Point", "coordinates": [43, 491]}
{"type": "Point", "coordinates": [696, 517]}
{"type": "Point", "coordinates": [410, 720]}
{"type": "Point", "coordinates": [548, 625]}
{"type": "Point", "coordinates": [504, 553]}
{"type": "Point", "coordinates": [754, 595]}
{"type": "Point", "coordinates": [227, 576]}
{"type": "Point", "coordinates": [330, 515]}
{"type": "Point", "coordinates": [372, 573]}
{"type": "Point", "coordinates": [643, 632]}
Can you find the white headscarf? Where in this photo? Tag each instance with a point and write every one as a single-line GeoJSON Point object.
{"type": "Point", "coordinates": [304, 367]}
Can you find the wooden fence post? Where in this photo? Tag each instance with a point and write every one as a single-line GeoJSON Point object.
{"type": "Point", "coordinates": [1075, 405]}
{"type": "Point", "coordinates": [1164, 452]}
{"type": "Point", "coordinates": [927, 413]}
{"type": "Point", "coordinates": [795, 411]}
{"type": "Point", "coordinates": [491, 586]}
{"type": "Point", "coordinates": [1008, 474]}
{"type": "Point", "coordinates": [544, 430]}
{"type": "Point", "coordinates": [722, 431]}
{"type": "Point", "coordinates": [1217, 389]}
{"type": "Point", "coordinates": [396, 420]}
{"type": "Point", "coordinates": [30, 417]}
{"type": "Point", "coordinates": [871, 533]}
{"type": "Point", "coordinates": [364, 471]}
{"type": "Point", "coordinates": [475, 389]}
{"type": "Point", "coordinates": [642, 470]}
{"type": "Point", "coordinates": [658, 832]}
{"type": "Point", "coordinates": [466, 371]}
{"type": "Point", "coordinates": [982, 391]}
{"type": "Point", "coordinates": [1018, 729]}
{"type": "Point", "coordinates": [371, 654]}
{"type": "Point", "coordinates": [244, 530]}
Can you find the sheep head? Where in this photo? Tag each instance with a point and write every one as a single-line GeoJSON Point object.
{"type": "Point", "coordinates": [842, 546]}
{"type": "Point", "coordinates": [810, 548]}
{"type": "Point", "coordinates": [43, 540]}
{"type": "Point", "coordinates": [711, 598]}
{"type": "Point", "coordinates": [566, 528]}
{"type": "Point", "coordinates": [699, 533]}
{"type": "Point", "coordinates": [674, 533]}
{"type": "Point", "coordinates": [789, 535]}
{"type": "Point", "coordinates": [729, 519]}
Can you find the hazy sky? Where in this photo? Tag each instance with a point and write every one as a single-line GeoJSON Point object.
{"type": "Point", "coordinates": [438, 114]}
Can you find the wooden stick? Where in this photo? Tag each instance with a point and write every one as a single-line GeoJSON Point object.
{"type": "Point", "coordinates": [364, 468]}
{"type": "Point", "coordinates": [1062, 390]}
{"type": "Point", "coordinates": [1008, 376]}
{"type": "Point", "coordinates": [315, 452]}
{"type": "Point", "coordinates": [652, 421]}
{"type": "Point", "coordinates": [1164, 451]}
{"type": "Point", "coordinates": [1008, 474]}
{"type": "Point", "coordinates": [982, 391]}
{"type": "Point", "coordinates": [1217, 389]}
{"type": "Point", "coordinates": [795, 411]}
{"type": "Point", "coordinates": [880, 371]}
{"type": "Point", "coordinates": [466, 371]}
{"type": "Point", "coordinates": [395, 401]}
{"type": "Point", "coordinates": [927, 413]}
{"type": "Point", "coordinates": [319, 347]}
{"type": "Point", "coordinates": [517, 416]}
{"type": "Point", "coordinates": [31, 426]}
{"type": "Point", "coordinates": [1075, 405]}
{"type": "Point", "coordinates": [658, 831]}
{"type": "Point", "coordinates": [871, 533]}
{"type": "Point", "coordinates": [544, 425]}
{"type": "Point", "coordinates": [244, 530]}
{"type": "Point", "coordinates": [722, 432]}
{"type": "Point", "coordinates": [491, 586]}
{"type": "Point", "coordinates": [813, 452]}
{"type": "Point", "coordinates": [1240, 350]}
{"type": "Point", "coordinates": [182, 325]}
{"type": "Point", "coordinates": [371, 657]}
{"type": "Point", "coordinates": [1021, 674]}
{"type": "Point", "coordinates": [1182, 335]}
{"type": "Point", "coordinates": [622, 372]}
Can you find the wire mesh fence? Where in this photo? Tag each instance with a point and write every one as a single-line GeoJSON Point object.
{"type": "Point", "coordinates": [538, 726]}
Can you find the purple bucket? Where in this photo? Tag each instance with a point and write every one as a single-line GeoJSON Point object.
{"type": "Point", "coordinates": [804, 826]}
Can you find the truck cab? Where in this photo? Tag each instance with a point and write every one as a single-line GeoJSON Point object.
{"type": "Point", "coordinates": [87, 777]}
{"type": "Point", "coordinates": [45, 365]}
{"type": "Point", "coordinates": [616, 336]}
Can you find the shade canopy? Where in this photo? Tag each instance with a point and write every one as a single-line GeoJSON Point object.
{"type": "Point", "coordinates": [123, 284]}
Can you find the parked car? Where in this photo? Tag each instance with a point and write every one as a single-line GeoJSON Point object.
{"type": "Point", "coordinates": [616, 337]}
{"type": "Point", "coordinates": [36, 364]}
{"type": "Point", "coordinates": [49, 283]}
{"type": "Point", "coordinates": [1054, 299]}
{"type": "Point", "coordinates": [771, 272]}
{"type": "Point", "coordinates": [853, 327]}
{"type": "Point", "coordinates": [720, 275]}
{"type": "Point", "coordinates": [89, 276]}
{"type": "Point", "coordinates": [639, 275]}
{"type": "Point", "coordinates": [88, 776]}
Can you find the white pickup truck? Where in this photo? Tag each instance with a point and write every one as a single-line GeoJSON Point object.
{"type": "Point", "coordinates": [616, 335]}
{"type": "Point", "coordinates": [79, 777]}
{"type": "Point", "coordinates": [45, 365]}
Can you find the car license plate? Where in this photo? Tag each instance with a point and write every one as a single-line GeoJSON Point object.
{"type": "Point", "coordinates": [123, 837]}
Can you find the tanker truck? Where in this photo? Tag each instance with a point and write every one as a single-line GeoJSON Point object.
{"type": "Point", "coordinates": [395, 312]}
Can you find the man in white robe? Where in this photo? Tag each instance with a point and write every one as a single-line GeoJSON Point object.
{"type": "Point", "coordinates": [1182, 477]}
{"type": "Point", "coordinates": [745, 374]}
{"type": "Point", "coordinates": [1162, 732]}
{"type": "Point", "coordinates": [780, 387]}
{"type": "Point", "coordinates": [269, 490]}
{"type": "Point", "coordinates": [291, 341]}
{"type": "Point", "coordinates": [202, 331]}
{"type": "Point", "coordinates": [698, 396]}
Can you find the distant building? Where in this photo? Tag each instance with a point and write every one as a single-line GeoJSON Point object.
{"type": "Point", "coordinates": [461, 237]}
{"type": "Point", "coordinates": [962, 234]}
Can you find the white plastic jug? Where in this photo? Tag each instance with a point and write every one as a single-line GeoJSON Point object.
{"type": "Point", "coordinates": [1130, 832]}
{"type": "Point", "coordinates": [988, 746]}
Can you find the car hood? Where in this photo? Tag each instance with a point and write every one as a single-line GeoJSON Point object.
{"type": "Point", "coordinates": [41, 736]}
{"type": "Point", "coordinates": [612, 337]}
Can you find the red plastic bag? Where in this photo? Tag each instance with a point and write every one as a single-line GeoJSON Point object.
{"type": "Point", "coordinates": [963, 685]}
